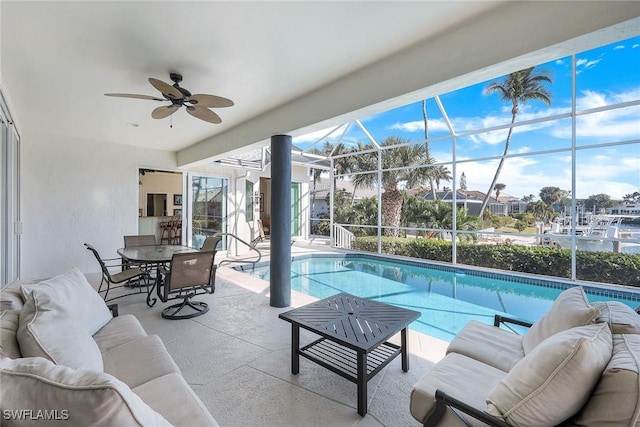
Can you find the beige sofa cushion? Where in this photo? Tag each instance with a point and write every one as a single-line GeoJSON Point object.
{"type": "Point", "coordinates": [461, 377]}
{"type": "Point", "coordinates": [616, 399]}
{"type": "Point", "coordinates": [73, 291]}
{"type": "Point", "coordinates": [81, 398]}
{"type": "Point", "coordinates": [9, 321]}
{"type": "Point", "coordinates": [120, 330]}
{"type": "Point", "coordinates": [47, 330]}
{"type": "Point", "coordinates": [139, 361]}
{"type": "Point", "coordinates": [621, 318]}
{"type": "Point", "coordinates": [569, 310]}
{"type": "Point", "coordinates": [488, 344]}
{"type": "Point", "coordinates": [554, 381]}
{"type": "Point", "coordinates": [11, 296]}
{"type": "Point", "coordinates": [171, 396]}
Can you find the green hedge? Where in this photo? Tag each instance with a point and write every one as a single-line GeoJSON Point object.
{"type": "Point", "coordinates": [604, 267]}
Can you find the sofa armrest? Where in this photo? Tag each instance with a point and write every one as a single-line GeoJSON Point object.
{"type": "Point", "coordinates": [498, 319]}
{"type": "Point", "coordinates": [443, 400]}
{"type": "Point", "coordinates": [114, 309]}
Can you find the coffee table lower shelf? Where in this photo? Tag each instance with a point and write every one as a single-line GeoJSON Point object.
{"type": "Point", "coordinates": [344, 361]}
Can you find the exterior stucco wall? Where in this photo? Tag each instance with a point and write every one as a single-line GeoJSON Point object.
{"type": "Point", "coordinates": [75, 192]}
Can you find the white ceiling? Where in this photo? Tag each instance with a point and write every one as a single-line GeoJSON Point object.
{"type": "Point", "coordinates": [277, 60]}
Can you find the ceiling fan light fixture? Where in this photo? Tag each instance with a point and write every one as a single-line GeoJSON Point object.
{"type": "Point", "coordinates": [196, 105]}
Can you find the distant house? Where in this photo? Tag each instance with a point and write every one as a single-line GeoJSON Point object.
{"type": "Point", "coordinates": [471, 200]}
{"type": "Point", "coordinates": [625, 208]}
{"type": "Point", "coordinates": [319, 194]}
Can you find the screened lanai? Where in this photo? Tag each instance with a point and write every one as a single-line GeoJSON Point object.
{"type": "Point", "coordinates": [541, 165]}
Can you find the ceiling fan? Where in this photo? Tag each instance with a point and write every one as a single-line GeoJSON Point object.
{"type": "Point", "coordinates": [197, 105]}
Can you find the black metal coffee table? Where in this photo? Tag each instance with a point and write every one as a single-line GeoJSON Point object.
{"type": "Point", "coordinates": [354, 335]}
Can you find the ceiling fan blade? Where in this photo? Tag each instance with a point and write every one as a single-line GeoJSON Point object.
{"type": "Point", "coordinates": [132, 95]}
{"type": "Point", "coordinates": [205, 114]}
{"type": "Point", "coordinates": [210, 101]}
{"type": "Point", "coordinates": [164, 111]}
{"type": "Point", "coordinates": [165, 88]}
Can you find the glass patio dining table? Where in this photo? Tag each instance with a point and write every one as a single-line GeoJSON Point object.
{"type": "Point", "coordinates": [153, 256]}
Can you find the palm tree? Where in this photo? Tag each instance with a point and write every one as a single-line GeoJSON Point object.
{"type": "Point", "coordinates": [552, 195]}
{"type": "Point", "coordinates": [317, 174]}
{"type": "Point", "coordinates": [362, 162]}
{"type": "Point", "coordinates": [341, 164]}
{"type": "Point", "coordinates": [518, 87]}
{"type": "Point", "coordinates": [409, 156]}
{"type": "Point", "coordinates": [440, 173]}
{"type": "Point", "coordinates": [541, 211]}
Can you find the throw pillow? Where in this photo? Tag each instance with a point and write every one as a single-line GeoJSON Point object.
{"type": "Point", "coordinates": [8, 328]}
{"type": "Point", "coordinates": [616, 399]}
{"type": "Point", "coordinates": [73, 291]}
{"type": "Point", "coordinates": [555, 380]}
{"type": "Point", "coordinates": [620, 317]}
{"type": "Point", "coordinates": [569, 310]}
{"type": "Point", "coordinates": [47, 330]}
{"type": "Point", "coordinates": [83, 398]}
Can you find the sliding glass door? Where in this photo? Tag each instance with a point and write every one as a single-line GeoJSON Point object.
{"type": "Point", "coordinates": [295, 209]}
{"type": "Point", "coordinates": [209, 208]}
{"type": "Point", "coordinates": [10, 225]}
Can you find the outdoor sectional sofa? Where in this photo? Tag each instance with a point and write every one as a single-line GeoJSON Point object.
{"type": "Point", "coordinates": [577, 366]}
{"type": "Point", "coordinates": [65, 357]}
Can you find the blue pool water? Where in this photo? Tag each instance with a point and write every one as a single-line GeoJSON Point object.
{"type": "Point", "coordinates": [448, 297]}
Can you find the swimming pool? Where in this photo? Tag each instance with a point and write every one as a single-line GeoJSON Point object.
{"type": "Point", "coordinates": [448, 297]}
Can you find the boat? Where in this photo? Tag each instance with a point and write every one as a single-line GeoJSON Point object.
{"type": "Point", "coordinates": [617, 233]}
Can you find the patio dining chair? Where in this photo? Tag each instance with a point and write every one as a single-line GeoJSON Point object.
{"type": "Point", "coordinates": [140, 240]}
{"type": "Point", "coordinates": [137, 240]}
{"type": "Point", "coordinates": [189, 274]}
{"type": "Point", "coordinates": [261, 237]}
{"type": "Point", "coordinates": [125, 277]}
{"type": "Point", "coordinates": [210, 243]}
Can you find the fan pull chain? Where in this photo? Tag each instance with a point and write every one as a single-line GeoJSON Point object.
{"type": "Point", "coordinates": [171, 124]}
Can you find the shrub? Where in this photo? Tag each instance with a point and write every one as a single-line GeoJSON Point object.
{"type": "Point", "coordinates": [605, 267]}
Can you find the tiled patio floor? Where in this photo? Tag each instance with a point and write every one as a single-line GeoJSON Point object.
{"type": "Point", "coordinates": [236, 358]}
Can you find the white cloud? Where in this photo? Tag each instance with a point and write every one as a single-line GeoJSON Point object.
{"type": "Point", "coordinates": [526, 113]}
{"type": "Point", "coordinates": [585, 64]}
{"type": "Point", "coordinates": [418, 126]}
{"type": "Point", "coordinates": [635, 46]}
{"type": "Point", "coordinates": [618, 47]}
{"type": "Point", "coordinates": [612, 125]}
{"type": "Point", "coordinates": [521, 175]}
{"type": "Point", "coordinates": [613, 172]}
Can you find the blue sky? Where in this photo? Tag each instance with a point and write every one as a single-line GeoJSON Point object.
{"type": "Point", "coordinates": [604, 76]}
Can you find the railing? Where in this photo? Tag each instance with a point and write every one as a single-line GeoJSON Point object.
{"type": "Point", "coordinates": [251, 247]}
{"type": "Point", "coordinates": [342, 237]}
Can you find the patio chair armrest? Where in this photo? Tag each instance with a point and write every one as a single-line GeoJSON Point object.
{"type": "Point", "coordinates": [443, 399]}
{"type": "Point", "coordinates": [498, 319]}
{"type": "Point", "coordinates": [121, 266]}
{"type": "Point", "coordinates": [114, 309]}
